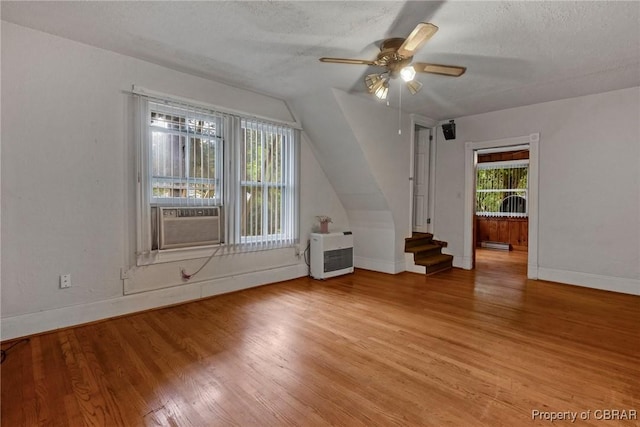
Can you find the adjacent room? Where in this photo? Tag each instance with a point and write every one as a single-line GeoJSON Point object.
{"type": "Point", "coordinates": [320, 213]}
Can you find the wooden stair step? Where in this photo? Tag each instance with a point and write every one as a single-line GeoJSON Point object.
{"type": "Point", "coordinates": [437, 263]}
{"type": "Point", "coordinates": [422, 242]}
{"type": "Point", "coordinates": [424, 251]}
{"type": "Point", "coordinates": [419, 235]}
{"type": "Point", "coordinates": [441, 243]}
{"type": "Point", "coordinates": [434, 260]}
{"type": "Point", "coordinates": [428, 252]}
{"type": "Point", "coordinates": [418, 239]}
{"type": "Point", "coordinates": [443, 266]}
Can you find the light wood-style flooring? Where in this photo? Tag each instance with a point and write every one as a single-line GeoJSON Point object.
{"type": "Point", "coordinates": [459, 348]}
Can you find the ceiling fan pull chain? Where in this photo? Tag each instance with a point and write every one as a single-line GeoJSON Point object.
{"type": "Point", "coordinates": [400, 109]}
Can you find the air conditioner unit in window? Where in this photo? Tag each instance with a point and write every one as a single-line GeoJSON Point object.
{"type": "Point", "coordinates": [182, 227]}
{"type": "Point", "coordinates": [331, 254]}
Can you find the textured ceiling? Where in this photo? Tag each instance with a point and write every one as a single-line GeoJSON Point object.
{"type": "Point", "coordinates": [516, 53]}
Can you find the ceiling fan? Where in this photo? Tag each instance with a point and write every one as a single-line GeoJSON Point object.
{"type": "Point", "coordinates": [396, 55]}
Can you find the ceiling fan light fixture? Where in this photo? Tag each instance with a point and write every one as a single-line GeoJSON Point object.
{"type": "Point", "coordinates": [414, 86]}
{"type": "Point", "coordinates": [376, 84]}
{"type": "Point", "coordinates": [371, 80]}
{"type": "Point", "coordinates": [408, 73]}
{"type": "Point", "coordinates": [382, 91]}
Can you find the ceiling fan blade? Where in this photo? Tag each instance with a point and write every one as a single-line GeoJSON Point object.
{"type": "Point", "coordinates": [414, 86]}
{"type": "Point", "coordinates": [445, 70]}
{"type": "Point", "coordinates": [419, 36]}
{"type": "Point", "coordinates": [347, 61]}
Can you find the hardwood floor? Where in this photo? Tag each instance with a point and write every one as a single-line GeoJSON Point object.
{"type": "Point", "coordinates": [458, 348]}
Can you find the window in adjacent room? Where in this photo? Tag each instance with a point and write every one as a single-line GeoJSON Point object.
{"type": "Point", "coordinates": [501, 189]}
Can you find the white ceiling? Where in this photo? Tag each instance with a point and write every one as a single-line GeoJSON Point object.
{"type": "Point", "coordinates": [516, 53]}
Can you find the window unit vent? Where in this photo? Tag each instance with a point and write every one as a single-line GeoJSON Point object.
{"type": "Point", "coordinates": [331, 255]}
{"type": "Point", "coordinates": [188, 226]}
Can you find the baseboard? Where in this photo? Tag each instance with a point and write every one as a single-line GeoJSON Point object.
{"type": "Point", "coordinates": [48, 320]}
{"type": "Point", "coordinates": [606, 283]}
{"type": "Point", "coordinates": [400, 266]}
{"type": "Point", "coordinates": [383, 266]}
{"type": "Point", "coordinates": [410, 265]}
{"type": "Point", "coordinates": [463, 262]}
{"type": "Point", "coordinates": [413, 268]}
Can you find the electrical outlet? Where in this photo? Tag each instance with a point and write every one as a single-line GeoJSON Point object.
{"type": "Point", "coordinates": [124, 273]}
{"type": "Point", "coordinates": [65, 281]}
{"type": "Point", "coordinates": [298, 250]}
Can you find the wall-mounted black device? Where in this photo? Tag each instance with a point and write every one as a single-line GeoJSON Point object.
{"type": "Point", "coordinates": [449, 130]}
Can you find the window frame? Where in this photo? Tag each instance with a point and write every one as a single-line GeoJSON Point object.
{"type": "Point", "coordinates": [218, 180]}
{"type": "Point", "coordinates": [286, 185]}
{"type": "Point", "coordinates": [509, 164]}
{"type": "Point", "coordinates": [229, 185]}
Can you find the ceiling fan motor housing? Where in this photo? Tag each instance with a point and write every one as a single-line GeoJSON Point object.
{"type": "Point", "coordinates": [389, 57]}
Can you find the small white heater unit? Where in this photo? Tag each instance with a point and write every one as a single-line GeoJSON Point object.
{"type": "Point", "coordinates": [331, 254]}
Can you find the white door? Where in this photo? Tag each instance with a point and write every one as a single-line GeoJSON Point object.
{"type": "Point", "coordinates": [421, 180]}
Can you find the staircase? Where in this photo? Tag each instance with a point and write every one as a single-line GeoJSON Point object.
{"type": "Point", "coordinates": [428, 252]}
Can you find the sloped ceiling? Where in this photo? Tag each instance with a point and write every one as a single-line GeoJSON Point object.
{"type": "Point", "coordinates": [517, 53]}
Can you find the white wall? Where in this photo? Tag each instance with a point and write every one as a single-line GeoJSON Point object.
{"type": "Point", "coordinates": [356, 141]}
{"type": "Point", "coordinates": [346, 166]}
{"type": "Point", "coordinates": [375, 127]}
{"type": "Point", "coordinates": [318, 197]}
{"type": "Point", "coordinates": [68, 203]}
{"type": "Point", "coordinates": [589, 186]}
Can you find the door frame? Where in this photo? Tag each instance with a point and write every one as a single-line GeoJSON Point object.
{"type": "Point", "coordinates": [424, 122]}
{"type": "Point", "coordinates": [470, 161]}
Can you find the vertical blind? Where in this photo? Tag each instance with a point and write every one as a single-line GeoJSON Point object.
{"type": "Point", "coordinates": [267, 184]}
{"type": "Point", "coordinates": [502, 189]}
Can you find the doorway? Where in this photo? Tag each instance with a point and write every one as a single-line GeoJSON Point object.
{"type": "Point", "coordinates": [501, 220]}
{"type": "Point", "coordinates": [423, 180]}
{"type": "Point", "coordinates": [421, 147]}
{"type": "Point", "coordinates": [472, 149]}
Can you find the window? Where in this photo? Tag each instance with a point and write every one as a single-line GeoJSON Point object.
{"type": "Point", "coordinates": [501, 189]}
{"type": "Point", "coordinates": [265, 192]}
{"type": "Point", "coordinates": [189, 156]}
{"type": "Point", "coordinates": [186, 156]}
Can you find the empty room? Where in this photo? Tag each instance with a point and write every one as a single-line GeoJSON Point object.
{"type": "Point", "coordinates": [309, 213]}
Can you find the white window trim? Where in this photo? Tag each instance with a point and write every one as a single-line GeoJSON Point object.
{"type": "Point", "coordinates": [140, 90]}
{"type": "Point", "coordinates": [504, 164]}
{"type": "Point", "coordinates": [179, 254]}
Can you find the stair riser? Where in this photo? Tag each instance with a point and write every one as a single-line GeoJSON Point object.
{"type": "Point", "coordinates": [426, 254]}
{"type": "Point", "coordinates": [419, 235]}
